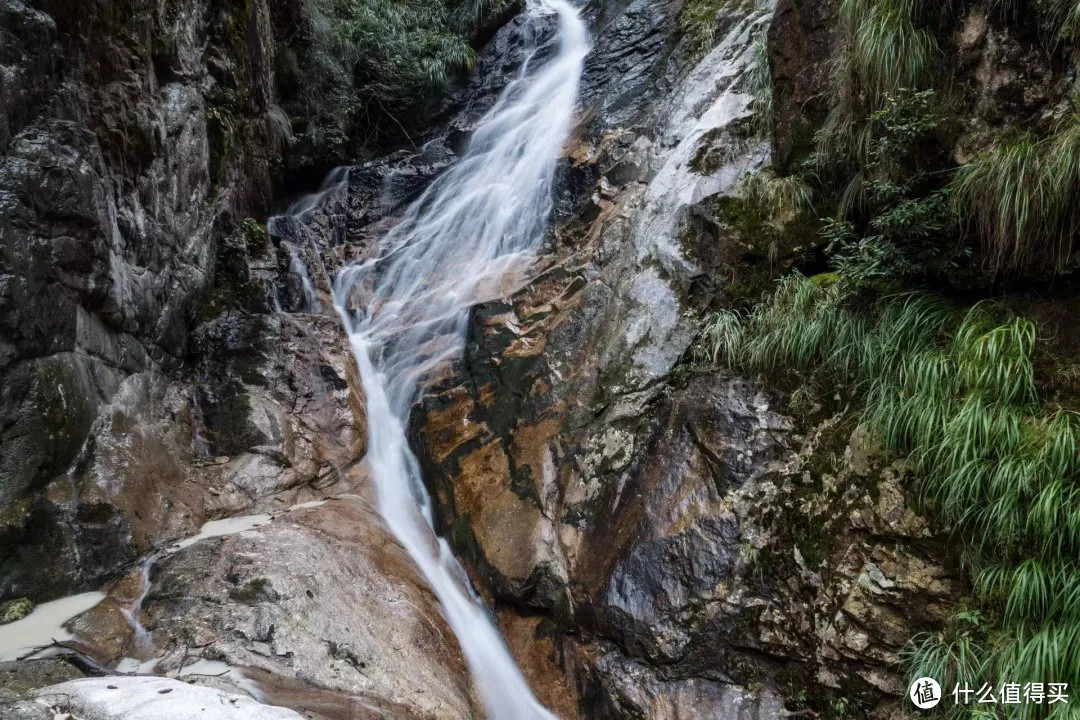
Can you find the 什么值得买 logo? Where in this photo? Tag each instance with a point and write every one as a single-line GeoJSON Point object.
{"type": "Point", "coordinates": [925, 693]}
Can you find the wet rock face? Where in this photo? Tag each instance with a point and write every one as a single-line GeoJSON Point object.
{"type": "Point", "coordinates": [263, 416]}
{"type": "Point", "coordinates": [633, 690]}
{"type": "Point", "coordinates": [270, 423]}
{"type": "Point", "coordinates": [140, 361]}
{"type": "Point", "coordinates": [322, 595]}
{"type": "Point", "coordinates": [1009, 75]}
{"type": "Point", "coordinates": [692, 548]}
{"type": "Point", "coordinates": [115, 184]}
{"type": "Point", "coordinates": [800, 44]}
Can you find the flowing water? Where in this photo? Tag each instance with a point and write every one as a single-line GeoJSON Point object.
{"type": "Point", "coordinates": [406, 312]}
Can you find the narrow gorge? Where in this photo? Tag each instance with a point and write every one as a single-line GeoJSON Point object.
{"type": "Point", "coordinates": [521, 360]}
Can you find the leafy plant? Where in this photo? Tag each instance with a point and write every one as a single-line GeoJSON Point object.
{"type": "Point", "coordinates": [368, 65]}
{"type": "Point", "coordinates": [883, 49]}
{"type": "Point", "coordinates": [907, 221]}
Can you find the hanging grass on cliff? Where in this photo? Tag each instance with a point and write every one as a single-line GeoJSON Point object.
{"type": "Point", "coordinates": [1021, 194]}
{"type": "Point", "coordinates": [955, 392]}
{"type": "Point", "coordinates": [698, 21]}
{"type": "Point", "coordinates": [883, 47]}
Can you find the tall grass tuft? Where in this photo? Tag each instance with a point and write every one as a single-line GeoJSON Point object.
{"type": "Point", "coordinates": [955, 392]}
{"type": "Point", "coordinates": [883, 48]}
{"type": "Point", "coordinates": [890, 50]}
{"type": "Point", "coordinates": [698, 22]}
{"type": "Point", "coordinates": [760, 83]}
{"type": "Point", "coordinates": [1011, 199]}
{"type": "Point", "coordinates": [1022, 196]}
{"type": "Point", "coordinates": [779, 197]}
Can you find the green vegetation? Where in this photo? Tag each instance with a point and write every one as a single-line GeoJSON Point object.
{"type": "Point", "coordinates": [761, 82]}
{"type": "Point", "coordinates": [894, 221]}
{"type": "Point", "coordinates": [367, 68]}
{"type": "Point", "coordinates": [1022, 196]}
{"type": "Point", "coordinates": [778, 196]}
{"type": "Point", "coordinates": [949, 385]}
{"type": "Point", "coordinates": [955, 392]}
{"type": "Point", "coordinates": [888, 50]}
{"type": "Point", "coordinates": [883, 49]}
{"type": "Point", "coordinates": [1020, 192]}
{"type": "Point", "coordinates": [697, 20]}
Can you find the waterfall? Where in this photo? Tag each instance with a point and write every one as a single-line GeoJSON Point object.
{"type": "Point", "coordinates": [406, 312]}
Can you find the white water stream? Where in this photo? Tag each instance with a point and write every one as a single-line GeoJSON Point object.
{"type": "Point", "coordinates": [406, 313]}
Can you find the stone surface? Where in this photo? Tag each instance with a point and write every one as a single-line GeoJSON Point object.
{"type": "Point", "coordinates": [323, 595]}
{"type": "Point", "coordinates": [694, 551]}
{"type": "Point", "coordinates": [318, 610]}
{"type": "Point", "coordinates": [120, 175]}
{"type": "Point", "coordinates": [799, 45]}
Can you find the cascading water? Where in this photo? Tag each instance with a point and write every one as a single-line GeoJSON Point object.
{"type": "Point", "coordinates": [406, 311]}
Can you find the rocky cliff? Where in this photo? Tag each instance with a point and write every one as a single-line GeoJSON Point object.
{"type": "Point", "coordinates": [657, 536]}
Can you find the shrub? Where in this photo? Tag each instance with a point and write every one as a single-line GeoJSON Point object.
{"type": "Point", "coordinates": [882, 49]}
{"type": "Point", "coordinates": [907, 227]}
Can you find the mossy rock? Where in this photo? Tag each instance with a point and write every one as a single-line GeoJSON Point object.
{"type": "Point", "coordinates": [16, 609]}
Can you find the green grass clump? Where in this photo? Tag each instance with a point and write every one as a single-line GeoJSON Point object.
{"type": "Point", "coordinates": [697, 20]}
{"type": "Point", "coordinates": [778, 196]}
{"type": "Point", "coordinates": [889, 50]}
{"type": "Point", "coordinates": [955, 392]}
{"type": "Point", "coordinates": [1011, 199]}
{"type": "Point", "coordinates": [883, 48]}
{"type": "Point", "coordinates": [761, 86]}
{"type": "Point", "coordinates": [1022, 197]}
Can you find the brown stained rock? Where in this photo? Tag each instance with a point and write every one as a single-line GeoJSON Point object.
{"type": "Point", "coordinates": [318, 704]}
{"type": "Point", "coordinates": [104, 632]}
{"type": "Point", "coordinates": [514, 535]}
{"type": "Point", "coordinates": [450, 427]}
{"type": "Point", "coordinates": [533, 455]}
{"type": "Point", "coordinates": [689, 544]}
{"type": "Point", "coordinates": [551, 670]}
